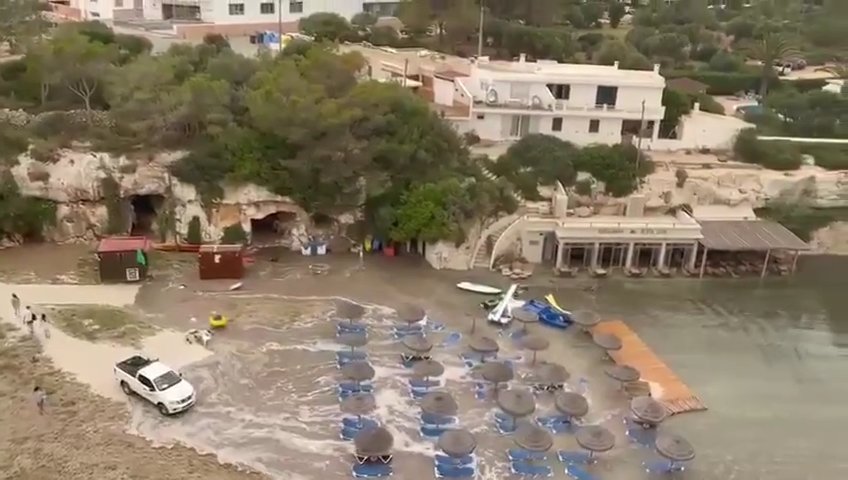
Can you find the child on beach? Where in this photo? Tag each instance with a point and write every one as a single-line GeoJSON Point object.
{"type": "Point", "coordinates": [40, 397]}
{"type": "Point", "coordinates": [16, 305]}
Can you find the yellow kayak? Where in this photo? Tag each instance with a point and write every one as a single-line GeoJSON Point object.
{"type": "Point", "coordinates": [552, 301]}
{"type": "Point", "coordinates": [217, 321]}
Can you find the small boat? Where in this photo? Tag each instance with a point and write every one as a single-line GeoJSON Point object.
{"type": "Point", "coordinates": [478, 288]}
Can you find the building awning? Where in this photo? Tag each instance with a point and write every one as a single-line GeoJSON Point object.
{"type": "Point", "coordinates": [749, 235]}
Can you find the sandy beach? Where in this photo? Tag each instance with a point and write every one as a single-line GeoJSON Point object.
{"type": "Point", "coordinates": [266, 386]}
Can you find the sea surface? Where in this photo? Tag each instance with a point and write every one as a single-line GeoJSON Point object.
{"type": "Point", "coordinates": [768, 358]}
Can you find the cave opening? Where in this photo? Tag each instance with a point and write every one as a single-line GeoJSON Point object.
{"type": "Point", "coordinates": [145, 210]}
{"type": "Point", "coordinates": [271, 229]}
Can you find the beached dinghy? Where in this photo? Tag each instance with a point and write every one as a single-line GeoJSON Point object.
{"type": "Point", "coordinates": [478, 288]}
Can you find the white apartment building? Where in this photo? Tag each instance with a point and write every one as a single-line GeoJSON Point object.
{"type": "Point", "coordinates": [583, 104]}
{"type": "Point", "coordinates": [230, 17]}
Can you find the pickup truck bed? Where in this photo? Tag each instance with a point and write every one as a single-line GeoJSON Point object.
{"type": "Point", "coordinates": [132, 365]}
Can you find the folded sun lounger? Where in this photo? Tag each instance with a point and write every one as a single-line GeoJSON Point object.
{"type": "Point", "coordinates": [521, 455]}
{"type": "Point", "coordinates": [455, 471]}
{"type": "Point", "coordinates": [372, 470]}
{"type": "Point", "coordinates": [461, 461]}
{"type": "Point", "coordinates": [578, 473]}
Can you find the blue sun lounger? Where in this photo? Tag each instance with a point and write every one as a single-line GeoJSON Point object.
{"type": "Point", "coordinates": [663, 467]}
{"type": "Point", "coordinates": [346, 356]}
{"type": "Point", "coordinates": [521, 455]}
{"type": "Point", "coordinates": [431, 419]}
{"type": "Point", "coordinates": [578, 473]}
{"type": "Point", "coordinates": [465, 461]}
{"type": "Point", "coordinates": [557, 424]}
{"type": "Point", "coordinates": [645, 437]}
{"type": "Point", "coordinates": [347, 327]}
{"type": "Point", "coordinates": [451, 339]}
{"type": "Point", "coordinates": [351, 426]}
{"type": "Point", "coordinates": [504, 424]}
{"type": "Point", "coordinates": [525, 469]}
{"type": "Point", "coordinates": [574, 457]}
{"type": "Point", "coordinates": [433, 431]}
{"type": "Point", "coordinates": [422, 384]}
{"type": "Point", "coordinates": [455, 471]}
{"type": "Point", "coordinates": [372, 470]}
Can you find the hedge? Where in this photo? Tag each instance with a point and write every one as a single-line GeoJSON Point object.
{"type": "Point", "coordinates": [828, 156]}
{"type": "Point", "coordinates": [772, 155]}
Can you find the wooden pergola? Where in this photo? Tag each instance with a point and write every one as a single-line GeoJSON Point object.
{"type": "Point", "coordinates": [748, 236]}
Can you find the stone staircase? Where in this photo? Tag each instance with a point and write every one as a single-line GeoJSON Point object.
{"type": "Point", "coordinates": [483, 256]}
{"type": "Point", "coordinates": [491, 176]}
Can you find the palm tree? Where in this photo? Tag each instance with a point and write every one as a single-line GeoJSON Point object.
{"type": "Point", "coordinates": [772, 46]}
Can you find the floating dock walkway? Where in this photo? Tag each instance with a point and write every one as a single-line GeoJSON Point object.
{"type": "Point", "coordinates": [675, 395]}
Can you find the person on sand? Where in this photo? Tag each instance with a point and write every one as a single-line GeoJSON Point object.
{"type": "Point", "coordinates": [40, 397]}
{"type": "Point", "coordinates": [44, 326]}
{"type": "Point", "coordinates": [16, 305]}
{"type": "Point", "coordinates": [29, 320]}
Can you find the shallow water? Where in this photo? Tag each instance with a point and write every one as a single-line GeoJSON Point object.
{"type": "Point", "coordinates": [767, 358]}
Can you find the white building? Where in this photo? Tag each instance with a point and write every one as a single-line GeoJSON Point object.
{"type": "Point", "coordinates": [229, 17]}
{"type": "Point", "coordinates": [583, 104]}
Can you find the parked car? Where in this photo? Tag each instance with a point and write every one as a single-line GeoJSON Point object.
{"type": "Point", "coordinates": [155, 382]}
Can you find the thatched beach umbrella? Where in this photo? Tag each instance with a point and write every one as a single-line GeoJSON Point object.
{"type": "Point", "coordinates": [551, 373]}
{"type": "Point", "coordinates": [483, 344]}
{"type": "Point", "coordinates": [517, 402]}
{"type": "Point", "coordinates": [595, 438]}
{"type": "Point", "coordinates": [675, 448]}
{"type": "Point", "coordinates": [622, 373]}
{"type": "Point", "coordinates": [457, 443]}
{"type": "Point", "coordinates": [358, 404]}
{"type": "Point", "coordinates": [373, 442]}
{"type": "Point", "coordinates": [353, 340]}
{"type": "Point", "coordinates": [534, 438]}
{"type": "Point", "coordinates": [428, 368]}
{"type": "Point", "coordinates": [525, 317]}
{"type": "Point", "coordinates": [411, 314]}
{"type": "Point", "coordinates": [607, 341]}
{"type": "Point", "coordinates": [535, 344]}
{"type": "Point", "coordinates": [439, 403]}
{"type": "Point", "coordinates": [586, 319]}
{"type": "Point", "coordinates": [647, 410]}
{"type": "Point", "coordinates": [417, 343]}
{"type": "Point", "coordinates": [349, 310]}
{"type": "Point", "coordinates": [571, 404]}
{"type": "Point", "coordinates": [496, 372]}
{"type": "Point", "coordinates": [358, 371]}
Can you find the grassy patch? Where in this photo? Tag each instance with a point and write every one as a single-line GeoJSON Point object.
{"type": "Point", "coordinates": [101, 323]}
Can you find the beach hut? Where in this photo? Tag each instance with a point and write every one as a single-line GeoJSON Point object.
{"type": "Point", "coordinates": [123, 259]}
{"type": "Point", "coordinates": [221, 261]}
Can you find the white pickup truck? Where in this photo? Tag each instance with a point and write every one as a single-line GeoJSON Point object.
{"type": "Point", "coordinates": [156, 383]}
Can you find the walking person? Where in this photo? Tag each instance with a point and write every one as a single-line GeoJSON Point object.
{"type": "Point", "coordinates": [44, 325]}
{"type": "Point", "coordinates": [40, 397]}
{"type": "Point", "coordinates": [16, 305]}
{"type": "Point", "coordinates": [29, 320]}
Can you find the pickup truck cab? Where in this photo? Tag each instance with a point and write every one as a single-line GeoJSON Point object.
{"type": "Point", "coordinates": [155, 382]}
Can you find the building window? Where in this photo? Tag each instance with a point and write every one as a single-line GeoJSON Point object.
{"type": "Point", "coordinates": [295, 7]}
{"type": "Point", "coordinates": [594, 126]}
{"type": "Point", "coordinates": [236, 9]}
{"type": "Point", "coordinates": [519, 126]}
{"type": "Point", "coordinates": [266, 8]}
{"type": "Point", "coordinates": [560, 92]}
{"type": "Point", "coordinates": [556, 124]}
{"type": "Point", "coordinates": [119, 3]}
{"type": "Point", "coordinates": [606, 96]}
{"type": "Point", "coordinates": [480, 116]}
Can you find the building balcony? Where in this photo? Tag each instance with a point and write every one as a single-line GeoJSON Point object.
{"type": "Point", "coordinates": [561, 108]}
{"type": "Point", "coordinates": [182, 3]}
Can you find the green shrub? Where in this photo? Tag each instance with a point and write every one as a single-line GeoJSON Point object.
{"type": "Point", "coordinates": [723, 83]}
{"type": "Point", "coordinates": [806, 84]}
{"type": "Point", "coordinates": [583, 187]}
{"type": "Point", "coordinates": [772, 155]}
{"type": "Point", "coordinates": [799, 219]}
{"type": "Point", "coordinates": [681, 176]}
{"type": "Point", "coordinates": [194, 235]}
{"type": "Point", "coordinates": [709, 104]}
{"type": "Point", "coordinates": [24, 216]}
{"type": "Point", "coordinates": [828, 156]}
{"type": "Point", "coordinates": [234, 234]}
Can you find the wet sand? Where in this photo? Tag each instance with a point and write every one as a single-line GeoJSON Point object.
{"type": "Point", "coordinates": [767, 359]}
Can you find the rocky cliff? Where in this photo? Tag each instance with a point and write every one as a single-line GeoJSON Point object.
{"type": "Point", "coordinates": [75, 181]}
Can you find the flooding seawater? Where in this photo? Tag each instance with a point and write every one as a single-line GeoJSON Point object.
{"type": "Point", "coordinates": [768, 359]}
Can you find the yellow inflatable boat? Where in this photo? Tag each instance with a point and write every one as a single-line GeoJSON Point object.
{"type": "Point", "coordinates": [217, 320]}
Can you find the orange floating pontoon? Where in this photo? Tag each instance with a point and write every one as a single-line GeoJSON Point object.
{"type": "Point", "coordinates": [674, 394]}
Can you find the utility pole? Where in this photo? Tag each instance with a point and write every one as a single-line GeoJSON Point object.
{"type": "Point", "coordinates": [480, 33]}
{"type": "Point", "coordinates": [639, 147]}
{"type": "Point", "coordinates": [280, 24]}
